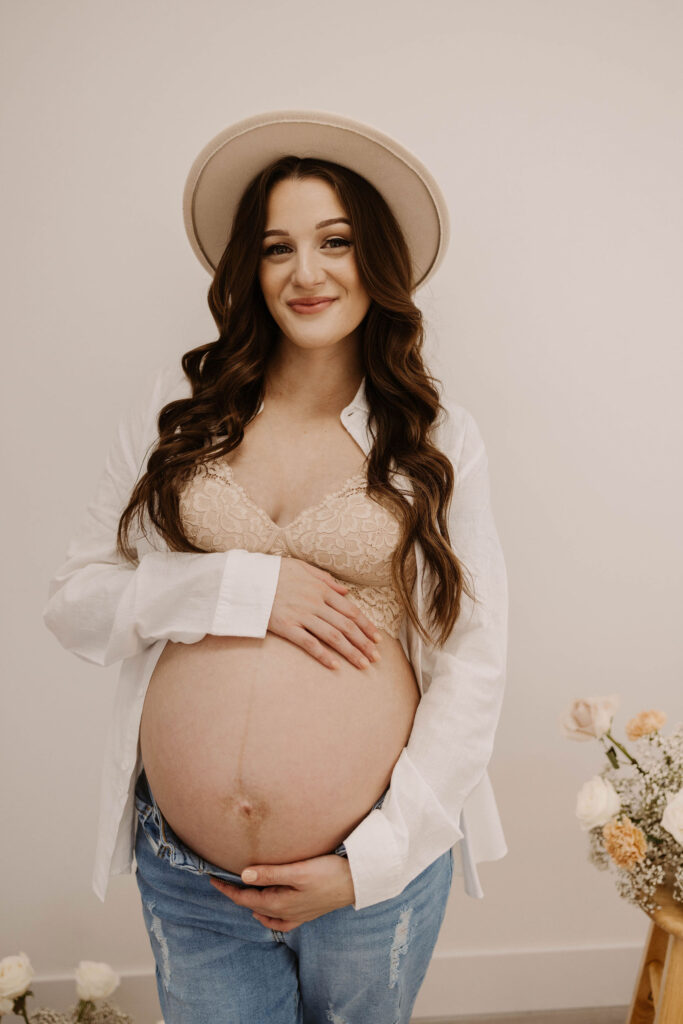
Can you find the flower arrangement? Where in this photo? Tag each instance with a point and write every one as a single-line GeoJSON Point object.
{"type": "Point", "coordinates": [93, 981]}
{"type": "Point", "coordinates": [632, 810]}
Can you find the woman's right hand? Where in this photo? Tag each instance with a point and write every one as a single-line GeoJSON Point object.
{"type": "Point", "coordinates": [310, 607]}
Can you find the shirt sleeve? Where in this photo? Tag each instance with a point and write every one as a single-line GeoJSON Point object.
{"type": "Point", "coordinates": [453, 731]}
{"type": "Point", "coordinates": [105, 609]}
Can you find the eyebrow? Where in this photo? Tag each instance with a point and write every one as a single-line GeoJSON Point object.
{"type": "Point", "coordinates": [322, 224]}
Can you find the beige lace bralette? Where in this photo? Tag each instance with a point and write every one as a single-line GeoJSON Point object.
{"type": "Point", "coordinates": [348, 534]}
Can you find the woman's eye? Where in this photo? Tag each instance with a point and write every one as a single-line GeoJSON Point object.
{"type": "Point", "coordinates": [272, 250]}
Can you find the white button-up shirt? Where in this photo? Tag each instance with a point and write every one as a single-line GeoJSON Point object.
{"type": "Point", "coordinates": [107, 610]}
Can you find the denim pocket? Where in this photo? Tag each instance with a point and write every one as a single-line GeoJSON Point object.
{"type": "Point", "coordinates": [143, 809]}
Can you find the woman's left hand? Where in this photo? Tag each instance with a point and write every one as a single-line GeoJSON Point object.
{"type": "Point", "coordinates": [295, 892]}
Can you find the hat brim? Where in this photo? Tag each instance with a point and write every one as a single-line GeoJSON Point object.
{"type": "Point", "coordinates": [226, 165]}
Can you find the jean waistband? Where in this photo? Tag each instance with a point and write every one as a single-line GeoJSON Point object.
{"type": "Point", "coordinates": [168, 844]}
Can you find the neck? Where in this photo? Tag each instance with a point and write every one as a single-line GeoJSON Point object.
{"type": "Point", "coordinates": [314, 382]}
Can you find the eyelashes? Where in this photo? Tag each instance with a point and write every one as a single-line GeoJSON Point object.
{"type": "Point", "coordinates": [270, 251]}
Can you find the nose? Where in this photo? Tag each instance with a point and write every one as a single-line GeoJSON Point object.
{"type": "Point", "coordinates": [308, 270]}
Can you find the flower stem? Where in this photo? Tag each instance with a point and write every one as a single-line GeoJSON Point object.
{"type": "Point", "coordinates": [624, 751]}
{"type": "Point", "coordinates": [20, 1006]}
{"type": "Point", "coordinates": [84, 1008]}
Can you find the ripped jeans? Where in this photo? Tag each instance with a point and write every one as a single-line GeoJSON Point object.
{"type": "Point", "coordinates": [215, 964]}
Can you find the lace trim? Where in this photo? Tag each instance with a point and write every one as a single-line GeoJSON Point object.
{"type": "Point", "coordinates": [354, 485]}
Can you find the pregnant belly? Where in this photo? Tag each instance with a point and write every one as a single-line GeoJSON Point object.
{"type": "Point", "coordinates": [257, 753]}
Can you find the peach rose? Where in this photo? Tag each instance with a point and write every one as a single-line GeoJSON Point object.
{"type": "Point", "coordinates": [644, 723]}
{"type": "Point", "coordinates": [625, 842]}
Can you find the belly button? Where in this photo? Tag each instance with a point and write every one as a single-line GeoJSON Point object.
{"type": "Point", "coordinates": [247, 808]}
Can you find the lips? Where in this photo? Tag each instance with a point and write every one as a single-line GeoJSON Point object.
{"type": "Point", "coordinates": [310, 307]}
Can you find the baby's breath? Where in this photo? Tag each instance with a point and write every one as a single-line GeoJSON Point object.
{"type": "Point", "coordinates": [106, 1014]}
{"type": "Point", "coordinates": [102, 1014]}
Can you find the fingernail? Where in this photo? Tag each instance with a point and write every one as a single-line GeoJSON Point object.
{"type": "Point", "coordinates": [376, 637]}
{"type": "Point", "coordinates": [364, 661]}
{"type": "Point", "coordinates": [248, 875]}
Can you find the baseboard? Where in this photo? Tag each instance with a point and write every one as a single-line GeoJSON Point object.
{"type": "Point", "coordinates": [514, 981]}
{"type": "Point", "coordinates": [588, 1015]}
{"type": "Point", "coordinates": [457, 985]}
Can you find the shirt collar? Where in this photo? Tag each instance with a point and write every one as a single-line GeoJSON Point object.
{"type": "Point", "coordinates": [359, 400]}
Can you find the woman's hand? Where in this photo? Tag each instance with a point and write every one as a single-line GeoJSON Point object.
{"type": "Point", "coordinates": [310, 606]}
{"type": "Point", "coordinates": [295, 892]}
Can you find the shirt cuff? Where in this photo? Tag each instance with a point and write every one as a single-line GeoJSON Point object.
{"type": "Point", "coordinates": [374, 861]}
{"type": "Point", "coordinates": [246, 595]}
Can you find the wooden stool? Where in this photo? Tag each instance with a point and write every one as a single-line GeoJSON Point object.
{"type": "Point", "coordinates": [658, 995]}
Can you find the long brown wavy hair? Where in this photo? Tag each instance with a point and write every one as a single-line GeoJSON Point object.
{"type": "Point", "coordinates": [227, 378]}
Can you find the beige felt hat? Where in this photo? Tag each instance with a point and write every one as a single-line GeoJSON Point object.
{"type": "Point", "coordinates": [227, 163]}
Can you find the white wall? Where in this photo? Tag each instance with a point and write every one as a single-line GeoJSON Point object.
{"type": "Point", "coordinates": [554, 130]}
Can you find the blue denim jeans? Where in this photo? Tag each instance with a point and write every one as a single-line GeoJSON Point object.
{"type": "Point", "coordinates": [215, 964]}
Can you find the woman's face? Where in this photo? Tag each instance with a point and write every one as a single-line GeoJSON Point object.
{"type": "Point", "coordinates": [307, 252]}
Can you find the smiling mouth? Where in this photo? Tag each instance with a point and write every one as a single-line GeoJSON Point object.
{"type": "Point", "coordinates": [311, 307]}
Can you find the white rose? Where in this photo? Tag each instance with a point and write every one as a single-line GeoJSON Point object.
{"type": "Point", "coordinates": [15, 976]}
{"type": "Point", "coordinates": [95, 981]}
{"type": "Point", "coordinates": [6, 1006]}
{"type": "Point", "coordinates": [672, 819]}
{"type": "Point", "coordinates": [596, 803]}
{"type": "Point", "coordinates": [590, 718]}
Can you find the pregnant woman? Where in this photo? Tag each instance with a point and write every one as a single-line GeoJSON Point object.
{"type": "Point", "coordinates": [292, 553]}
